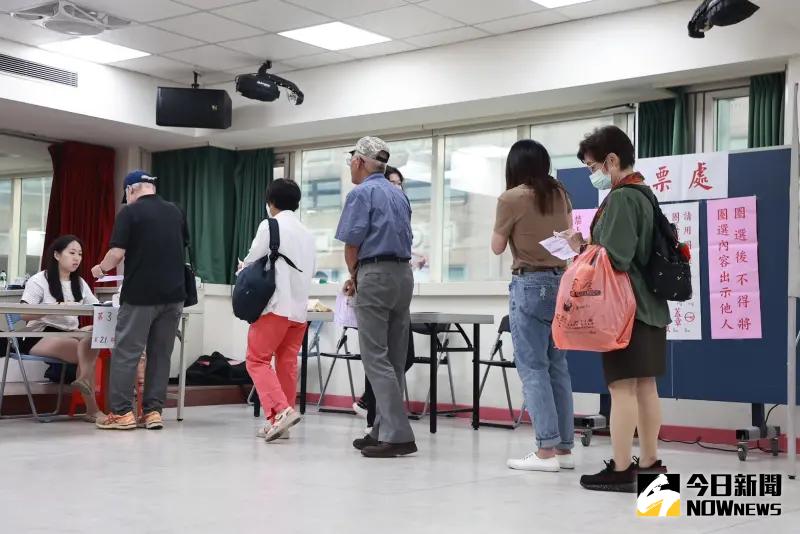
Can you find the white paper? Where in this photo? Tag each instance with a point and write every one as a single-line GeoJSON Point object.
{"type": "Point", "coordinates": [345, 315]}
{"type": "Point", "coordinates": [686, 316]}
{"type": "Point", "coordinates": [105, 327]}
{"type": "Point", "coordinates": [664, 176]}
{"type": "Point", "coordinates": [558, 247]}
{"type": "Point", "coordinates": [111, 278]}
{"type": "Point", "coordinates": [705, 176]}
{"type": "Point", "coordinates": [679, 178]}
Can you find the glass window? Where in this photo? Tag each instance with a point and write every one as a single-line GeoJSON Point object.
{"type": "Point", "coordinates": [33, 220]}
{"type": "Point", "coordinates": [731, 123]}
{"type": "Point", "coordinates": [6, 213]}
{"type": "Point", "coordinates": [414, 158]}
{"type": "Point", "coordinates": [474, 178]}
{"type": "Point", "coordinates": [325, 183]}
{"type": "Point", "coordinates": [561, 139]}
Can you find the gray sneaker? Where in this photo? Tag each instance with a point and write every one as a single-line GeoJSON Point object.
{"type": "Point", "coordinates": [283, 422]}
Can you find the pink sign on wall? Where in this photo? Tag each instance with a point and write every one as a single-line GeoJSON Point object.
{"type": "Point", "coordinates": [582, 221]}
{"type": "Point", "coordinates": [733, 283]}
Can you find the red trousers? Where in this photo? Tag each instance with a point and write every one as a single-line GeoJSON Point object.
{"type": "Point", "coordinates": [276, 336]}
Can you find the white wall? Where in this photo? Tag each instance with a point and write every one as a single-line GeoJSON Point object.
{"type": "Point", "coordinates": [226, 334]}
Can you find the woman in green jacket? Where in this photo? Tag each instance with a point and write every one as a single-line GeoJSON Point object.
{"type": "Point", "coordinates": [624, 226]}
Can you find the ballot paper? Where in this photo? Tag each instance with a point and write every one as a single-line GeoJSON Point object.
{"type": "Point", "coordinates": [111, 278]}
{"type": "Point", "coordinates": [345, 315]}
{"type": "Point", "coordinates": [558, 247]}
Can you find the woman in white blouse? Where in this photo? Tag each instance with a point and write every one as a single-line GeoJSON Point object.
{"type": "Point", "coordinates": [279, 332]}
{"type": "Point", "coordinates": [60, 283]}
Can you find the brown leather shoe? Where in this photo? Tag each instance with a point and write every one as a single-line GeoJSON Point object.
{"type": "Point", "coordinates": [389, 450]}
{"type": "Point", "coordinates": [366, 441]}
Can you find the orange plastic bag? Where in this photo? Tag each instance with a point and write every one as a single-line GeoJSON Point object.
{"type": "Point", "coordinates": [596, 307]}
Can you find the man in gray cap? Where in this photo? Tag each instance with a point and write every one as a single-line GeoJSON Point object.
{"type": "Point", "coordinates": [376, 228]}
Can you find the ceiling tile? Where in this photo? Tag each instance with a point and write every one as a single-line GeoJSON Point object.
{"type": "Point", "coordinates": [380, 49]}
{"type": "Point", "coordinates": [475, 11]}
{"type": "Point", "coordinates": [149, 39]}
{"type": "Point", "coordinates": [604, 7]}
{"type": "Point", "coordinates": [405, 21]}
{"type": "Point", "coordinates": [524, 22]}
{"type": "Point", "coordinates": [210, 4]}
{"type": "Point", "coordinates": [446, 37]}
{"type": "Point", "coordinates": [272, 47]}
{"type": "Point", "coordinates": [159, 67]}
{"type": "Point", "coordinates": [207, 27]}
{"type": "Point", "coordinates": [27, 33]}
{"type": "Point", "coordinates": [340, 9]}
{"type": "Point", "coordinates": [309, 62]}
{"type": "Point", "coordinates": [273, 15]}
{"type": "Point", "coordinates": [139, 10]}
{"type": "Point", "coordinates": [277, 68]}
{"type": "Point", "coordinates": [213, 57]}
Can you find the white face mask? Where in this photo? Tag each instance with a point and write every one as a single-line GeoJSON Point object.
{"type": "Point", "coordinates": [600, 179]}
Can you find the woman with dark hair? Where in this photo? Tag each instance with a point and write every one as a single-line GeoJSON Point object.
{"type": "Point", "coordinates": [532, 208]}
{"type": "Point", "coordinates": [624, 227]}
{"type": "Point", "coordinates": [60, 283]}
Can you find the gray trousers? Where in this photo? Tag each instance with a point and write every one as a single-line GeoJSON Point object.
{"type": "Point", "coordinates": [138, 328]}
{"type": "Point", "coordinates": [382, 309]}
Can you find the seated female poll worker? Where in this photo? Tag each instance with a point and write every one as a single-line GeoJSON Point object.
{"type": "Point", "coordinates": [60, 283]}
{"type": "Point", "coordinates": [624, 227]}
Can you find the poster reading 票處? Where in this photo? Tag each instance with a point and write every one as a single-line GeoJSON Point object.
{"type": "Point", "coordinates": [686, 316]}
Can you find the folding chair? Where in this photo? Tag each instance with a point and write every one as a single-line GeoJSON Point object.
{"type": "Point", "coordinates": [13, 353]}
{"type": "Point", "coordinates": [443, 358]}
{"type": "Point", "coordinates": [504, 365]}
{"type": "Point", "coordinates": [342, 353]}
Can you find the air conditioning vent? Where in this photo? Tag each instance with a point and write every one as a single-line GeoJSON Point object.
{"type": "Point", "coordinates": [30, 69]}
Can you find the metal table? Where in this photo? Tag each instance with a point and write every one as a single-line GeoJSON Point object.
{"type": "Point", "coordinates": [87, 310]}
{"type": "Point", "coordinates": [435, 319]}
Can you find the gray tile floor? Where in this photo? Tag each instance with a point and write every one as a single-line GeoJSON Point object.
{"type": "Point", "coordinates": [210, 474]}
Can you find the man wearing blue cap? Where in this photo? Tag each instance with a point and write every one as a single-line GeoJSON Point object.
{"type": "Point", "coordinates": [150, 234]}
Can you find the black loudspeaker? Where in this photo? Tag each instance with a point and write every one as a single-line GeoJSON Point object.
{"type": "Point", "coordinates": [193, 108]}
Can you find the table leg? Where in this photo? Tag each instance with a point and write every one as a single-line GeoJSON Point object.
{"type": "Point", "coordinates": [476, 359]}
{"type": "Point", "coordinates": [304, 371]}
{"type": "Point", "coordinates": [182, 371]}
{"type": "Point", "coordinates": [256, 404]}
{"type": "Point", "coordinates": [433, 411]}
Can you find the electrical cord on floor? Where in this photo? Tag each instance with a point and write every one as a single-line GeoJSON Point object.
{"type": "Point", "coordinates": [697, 442]}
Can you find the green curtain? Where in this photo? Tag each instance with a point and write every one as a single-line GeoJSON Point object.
{"type": "Point", "coordinates": [656, 120]}
{"type": "Point", "coordinates": [252, 177]}
{"type": "Point", "coordinates": [681, 134]}
{"type": "Point", "coordinates": [664, 126]}
{"type": "Point", "coordinates": [201, 181]}
{"type": "Point", "coordinates": [766, 110]}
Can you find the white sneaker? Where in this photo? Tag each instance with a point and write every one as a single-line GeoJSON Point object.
{"type": "Point", "coordinates": [361, 412]}
{"type": "Point", "coordinates": [566, 461]}
{"type": "Point", "coordinates": [368, 431]}
{"type": "Point", "coordinates": [262, 432]}
{"type": "Point", "coordinates": [532, 462]}
{"type": "Point", "coordinates": [283, 422]}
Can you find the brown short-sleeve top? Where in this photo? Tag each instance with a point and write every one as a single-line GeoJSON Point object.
{"type": "Point", "coordinates": [520, 220]}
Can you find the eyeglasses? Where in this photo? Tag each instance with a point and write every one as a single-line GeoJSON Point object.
{"type": "Point", "coordinates": [350, 157]}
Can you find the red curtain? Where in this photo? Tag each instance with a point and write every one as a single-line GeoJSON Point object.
{"type": "Point", "coordinates": [82, 199]}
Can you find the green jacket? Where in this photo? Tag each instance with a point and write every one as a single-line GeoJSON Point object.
{"type": "Point", "coordinates": [625, 229]}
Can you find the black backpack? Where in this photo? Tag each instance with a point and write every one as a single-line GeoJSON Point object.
{"type": "Point", "coordinates": [255, 285]}
{"type": "Point", "coordinates": [667, 273]}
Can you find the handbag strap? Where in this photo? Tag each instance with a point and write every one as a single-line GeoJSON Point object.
{"type": "Point", "coordinates": [274, 245]}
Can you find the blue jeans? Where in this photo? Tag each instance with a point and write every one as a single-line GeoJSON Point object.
{"type": "Point", "coordinates": [546, 383]}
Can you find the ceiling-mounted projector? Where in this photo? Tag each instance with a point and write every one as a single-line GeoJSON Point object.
{"type": "Point", "coordinates": [70, 18]}
{"type": "Point", "coordinates": [265, 87]}
{"type": "Point", "coordinates": [712, 13]}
